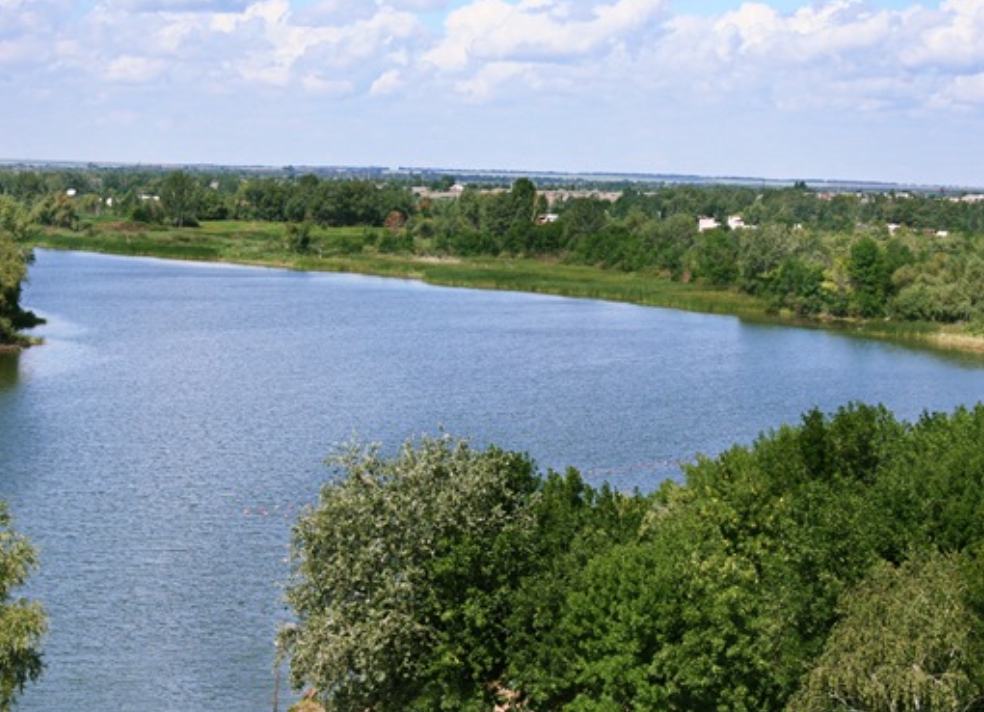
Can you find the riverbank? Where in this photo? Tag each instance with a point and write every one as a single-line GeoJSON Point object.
{"type": "Point", "coordinates": [342, 250]}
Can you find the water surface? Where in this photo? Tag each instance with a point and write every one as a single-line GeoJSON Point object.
{"type": "Point", "coordinates": [156, 448]}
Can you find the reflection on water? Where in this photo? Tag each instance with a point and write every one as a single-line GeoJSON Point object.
{"type": "Point", "coordinates": [9, 365]}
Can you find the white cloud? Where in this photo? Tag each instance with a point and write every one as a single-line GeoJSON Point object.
{"type": "Point", "coordinates": [207, 6]}
{"type": "Point", "coordinates": [418, 5]}
{"type": "Point", "coordinates": [134, 69]}
{"type": "Point", "coordinates": [486, 83]}
{"type": "Point", "coordinates": [324, 87]}
{"type": "Point", "coordinates": [388, 82]}
{"type": "Point", "coordinates": [622, 61]}
{"type": "Point", "coordinates": [964, 92]}
{"type": "Point", "coordinates": [497, 31]}
{"type": "Point", "coordinates": [951, 38]}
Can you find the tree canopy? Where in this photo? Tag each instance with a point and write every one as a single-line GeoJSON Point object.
{"type": "Point", "coordinates": [400, 575]}
{"type": "Point", "coordinates": [834, 565]}
{"type": "Point", "coordinates": [15, 226]}
{"type": "Point", "coordinates": [22, 622]}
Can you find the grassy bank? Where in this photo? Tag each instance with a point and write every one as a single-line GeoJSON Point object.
{"type": "Point", "coordinates": [345, 250]}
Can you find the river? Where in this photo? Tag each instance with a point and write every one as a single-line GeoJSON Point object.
{"type": "Point", "coordinates": [158, 446]}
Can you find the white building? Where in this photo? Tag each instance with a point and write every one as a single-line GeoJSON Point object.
{"type": "Point", "coordinates": [705, 224]}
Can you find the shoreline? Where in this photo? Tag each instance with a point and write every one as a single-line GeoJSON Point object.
{"type": "Point", "coordinates": [534, 276]}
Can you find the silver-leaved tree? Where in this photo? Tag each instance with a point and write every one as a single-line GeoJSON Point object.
{"type": "Point", "coordinates": [400, 574]}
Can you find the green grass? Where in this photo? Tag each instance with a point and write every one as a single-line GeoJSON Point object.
{"type": "Point", "coordinates": [350, 250]}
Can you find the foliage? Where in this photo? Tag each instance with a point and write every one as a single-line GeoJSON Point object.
{"type": "Point", "coordinates": [861, 255]}
{"type": "Point", "coordinates": [907, 640]}
{"type": "Point", "coordinates": [297, 237]}
{"type": "Point", "coordinates": [15, 228]}
{"type": "Point", "coordinates": [401, 573]}
{"type": "Point", "coordinates": [831, 565]}
{"type": "Point", "coordinates": [22, 622]}
{"type": "Point", "coordinates": [179, 198]}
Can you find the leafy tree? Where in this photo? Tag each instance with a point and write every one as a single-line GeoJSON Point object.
{"type": "Point", "coordinates": [22, 622]}
{"type": "Point", "coordinates": [15, 227]}
{"type": "Point", "coordinates": [716, 253]}
{"type": "Point", "coordinates": [760, 252]}
{"type": "Point", "coordinates": [582, 217]}
{"type": "Point", "coordinates": [401, 574]}
{"type": "Point", "coordinates": [574, 525]}
{"type": "Point", "coordinates": [907, 641]}
{"type": "Point", "coordinates": [870, 276]}
{"type": "Point", "coordinates": [179, 198]}
{"type": "Point", "coordinates": [57, 210]}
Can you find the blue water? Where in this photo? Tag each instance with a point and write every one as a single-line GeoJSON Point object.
{"type": "Point", "coordinates": [157, 447]}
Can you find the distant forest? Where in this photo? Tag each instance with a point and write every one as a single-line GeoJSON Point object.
{"type": "Point", "coordinates": [905, 256]}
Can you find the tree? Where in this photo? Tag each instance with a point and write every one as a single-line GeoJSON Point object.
{"type": "Point", "coordinates": [906, 641]}
{"type": "Point", "coordinates": [15, 226]}
{"type": "Point", "coordinates": [870, 276]}
{"type": "Point", "coordinates": [581, 218]}
{"type": "Point", "coordinates": [716, 253]}
{"type": "Point", "coordinates": [179, 197]}
{"type": "Point", "coordinates": [400, 574]}
{"type": "Point", "coordinates": [22, 622]}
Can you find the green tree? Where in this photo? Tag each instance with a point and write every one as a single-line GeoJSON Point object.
{"type": "Point", "coordinates": [582, 218]}
{"type": "Point", "coordinates": [716, 253]}
{"type": "Point", "coordinates": [179, 198]}
{"type": "Point", "coordinates": [15, 227]}
{"type": "Point", "coordinates": [870, 277]}
{"type": "Point", "coordinates": [401, 575]}
{"type": "Point", "coordinates": [22, 622]}
{"type": "Point", "coordinates": [907, 641]}
{"type": "Point", "coordinates": [575, 524]}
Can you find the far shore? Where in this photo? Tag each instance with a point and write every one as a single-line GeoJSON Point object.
{"type": "Point", "coordinates": [530, 275]}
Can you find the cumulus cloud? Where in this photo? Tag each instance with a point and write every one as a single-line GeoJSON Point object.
{"type": "Point", "coordinates": [963, 92]}
{"type": "Point", "coordinates": [179, 5]}
{"type": "Point", "coordinates": [418, 5]}
{"type": "Point", "coordinates": [325, 86]}
{"type": "Point", "coordinates": [839, 52]}
{"type": "Point", "coordinates": [641, 55]}
{"type": "Point", "coordinates": [234, 44]}
{"type": "Point", "coordinates": [387, 83]}
{"type": "Point", "coordinates": [951, 38]}
{"type": "Point", "coordinates": [497, 31]}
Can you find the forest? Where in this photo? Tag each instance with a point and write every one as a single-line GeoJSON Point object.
{"type": "Point", "coordinates": [834, 565]}
{"type": "Point", "coordinates": [902, 257]}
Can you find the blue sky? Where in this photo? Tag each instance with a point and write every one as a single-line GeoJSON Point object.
{"type": "Point", "coordinates": [835, 89]}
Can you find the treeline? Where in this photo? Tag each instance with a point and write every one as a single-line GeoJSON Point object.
{"type": "Point", "coordinates": [65, 198]}
{"type": "Point", "coordinates": [901, 256]}
{"type": "Point", "coordinates": [911, 258]}
{"type": "Point", "coordinates": [836, 565]}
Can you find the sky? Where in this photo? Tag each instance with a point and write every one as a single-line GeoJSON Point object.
{"type": "Point", "coordinates": [881, 90]}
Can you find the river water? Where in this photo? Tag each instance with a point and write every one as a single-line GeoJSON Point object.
{"type": "Point", "coordinates": [159, 445]}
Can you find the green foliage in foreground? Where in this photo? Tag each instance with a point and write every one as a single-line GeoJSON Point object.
{"type": "Point", "coordinates": [835, 565]}
{"type": "Point", "coordinates": [22, 622]}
